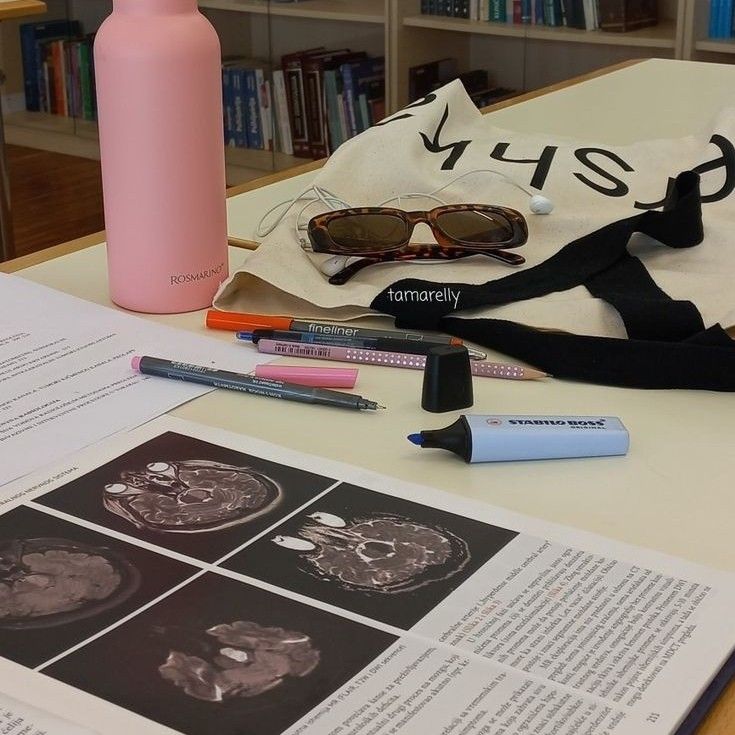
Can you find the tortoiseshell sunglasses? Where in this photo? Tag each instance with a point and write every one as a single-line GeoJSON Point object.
{"type": "Point", "coordinates": [382, 234]}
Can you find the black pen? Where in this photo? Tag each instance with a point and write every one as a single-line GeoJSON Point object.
{"type": "Point", "coordinates": [406, 346]}
{"type": "Point", "coordinates": [249, 384]}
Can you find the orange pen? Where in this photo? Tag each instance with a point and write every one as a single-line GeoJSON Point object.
{"type": "Point", "coordinates": [239, 322]}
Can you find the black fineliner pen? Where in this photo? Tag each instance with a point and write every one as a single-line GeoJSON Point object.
{"type": "Point", "coordinates": [411, 347]}
{"type": "Point", "coordinates": [249, 384]}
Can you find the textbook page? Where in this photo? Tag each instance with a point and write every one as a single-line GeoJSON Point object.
{"type": "Point", "coordinates": [184, 579]}
{"type": "Point", "coordinates": [65, 374]}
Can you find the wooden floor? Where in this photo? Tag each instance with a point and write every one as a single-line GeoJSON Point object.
{"type": "Point", "coordinates": [54, 198]}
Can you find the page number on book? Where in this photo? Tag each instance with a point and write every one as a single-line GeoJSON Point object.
{"type": "Point", "coordinates": [653, 717]}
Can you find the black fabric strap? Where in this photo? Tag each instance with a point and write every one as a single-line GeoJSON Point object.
{"type": "Point", "coordinates": [668, 346]}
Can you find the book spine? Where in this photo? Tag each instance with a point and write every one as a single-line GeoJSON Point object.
{"type": "Point", "coordinates": [295, 92]}
{"type": "Point", "coordinates": [565, 5]}
{"type": "Point", "coordinates": [348, 92]}
{"type": "Point", "coordinates": [265, 108]}
{"type": "Point", "coordinates": [574, 13]}
{"type": "Point", "coordinates": [281, 108]}
{"type": "Point", "coordinates": [238, 106]}
{"type": "Point", "coordinates": [726, 19]}
{"type": "Point", "coordinates": [588, 13]}
{"type": "Point", "coordinates": [558, 13]}
{"type": "Point", "coordinates": [49, 86]}
{"type": "Point", "coordinates": [539, 12]}
{"type": "Point", "coordinates": [63, 55]}
{"type": "Point", "coordinates": [362, 104]}
{"type": "Point", "coordinates": [331, 105]}
{"type": "Point", "coordinates": [228, 112]}
{"type": "Point", "coordinates": [29, 58]}
{"type": "Point", "coordinates": [44, 99]}
{"type": "Point", "coordinates": [72, 59]}
{"type": "Point", "coordinates": [52, 72]}
{"type": "Point", "coordinates": [341, 109]}
{"type": "Point", "coordinates": [270, 114]}
{"type": "Point", "coordinates": [253, 133]}
{"type": "Point", "coordinates": [85, 80]}
{"type": "Point", "coordinates": [75, 96]}
{"type": "Point", "coordinates": [314, 113]}
{"type": "Point", "coordinates": [60, 78]}
{"type": "Point", "coordinates": [525, 11]}
{"type": "Point", "coordinates": [497, 11]}
{"type": "Point", "coordinates": [517, 12]}
{"type": "Point", "coordinates": [581, 15]}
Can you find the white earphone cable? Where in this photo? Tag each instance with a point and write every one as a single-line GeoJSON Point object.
{"type": "Point", "coordinates": [539, 203]}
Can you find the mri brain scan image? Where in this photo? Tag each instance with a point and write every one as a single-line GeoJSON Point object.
{"type": "Point", "coordinates": [236, 661]}
{"type": "Point", "coordinates": [46, 582]}
{"type": "Point", "coordinates": [384, 554]}
{"type": "Point", "coordinates": [191, 496]}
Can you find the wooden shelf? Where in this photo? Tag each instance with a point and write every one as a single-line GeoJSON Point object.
{"type": "Point", "coordinates": [80, 137]}
{"type": "Point", "coordinates": [661, 36]}
{"type": "Point", "coordinates": [353, 11]}
{"type": "Point", "coordinates": [44, 122]}
{"type": "Point", "coordinates": [718, 45]}
{"type": "Point", "coordinates": [21, 8]}
{"type": "Point", "coordinates": [262, 160]}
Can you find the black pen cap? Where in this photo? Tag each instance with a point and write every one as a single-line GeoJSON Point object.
{"type": "Point", "coordinates": [447, 379]}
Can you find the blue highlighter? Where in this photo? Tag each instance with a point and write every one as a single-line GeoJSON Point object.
{"type": "Point", "coordinates": [493, 438]}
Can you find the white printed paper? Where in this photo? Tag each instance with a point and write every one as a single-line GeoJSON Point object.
{"type": "Point", "coordinates": [65, 374]}
{"type": "Point", "coordinates": [18, 718]}
{"type": "Point", "coordinates": [185, 579]}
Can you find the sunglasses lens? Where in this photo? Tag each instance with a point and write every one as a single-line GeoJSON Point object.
{"type": "Point", "coordinates": [367, 232]}
{"type": "Point", "coordinates": [476, 227]}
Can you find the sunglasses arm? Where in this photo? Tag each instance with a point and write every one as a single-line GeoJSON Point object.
{"type": "Point", "coordinates": [341, 277]}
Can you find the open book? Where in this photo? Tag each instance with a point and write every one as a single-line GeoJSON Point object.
{"type": "Point", "coordinates": [185, 579]}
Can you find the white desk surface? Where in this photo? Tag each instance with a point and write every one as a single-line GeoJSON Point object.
{"type": "Point", "coordinates": [672, 492]}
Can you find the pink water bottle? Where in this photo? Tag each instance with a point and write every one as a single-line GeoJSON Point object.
{"type": "Point", "coordinates": [159, 103]}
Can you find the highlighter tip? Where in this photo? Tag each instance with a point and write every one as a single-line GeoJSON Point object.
{"type": "Point", "coordinates": [245, 336]}
{"type": "Point", "coordinates": [135, 363]}
{"type": "Point", "coordinates": [416, 439]}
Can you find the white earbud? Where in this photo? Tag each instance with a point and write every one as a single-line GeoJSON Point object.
{"type": "Point", "coordinates": [331, 266]}
{"type": "Point", "coordinates": [540, 204]}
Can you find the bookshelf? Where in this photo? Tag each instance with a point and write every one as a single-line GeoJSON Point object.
{"type": "Point", "coordinates": [364, 11]}
{"type": "Point", "coordinates": [526, 57]}
{"type": "Point", "coordinates": [522, 57]}
{"type": "Point", "coordinates": [256, 28]}
{"type": "Point", "coordinates": [697, 45]}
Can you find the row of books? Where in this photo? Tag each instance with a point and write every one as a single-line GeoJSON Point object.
{"type": "Point", "coordinates": [308, 107]}
{"type": "Point", "coordinates": [247, 101]}
{"type": "Point", "coordinates": [58, 69]}
{"type": "Point", "coordinates": [425, 78]}
{"type": "Point", "coordinates": [722, 19]}
{"type": "Point", "coordinates": [590, 15]}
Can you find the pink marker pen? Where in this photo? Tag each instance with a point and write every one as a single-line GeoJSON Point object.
{"type": "Point", "coordinates": [318, 377]}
